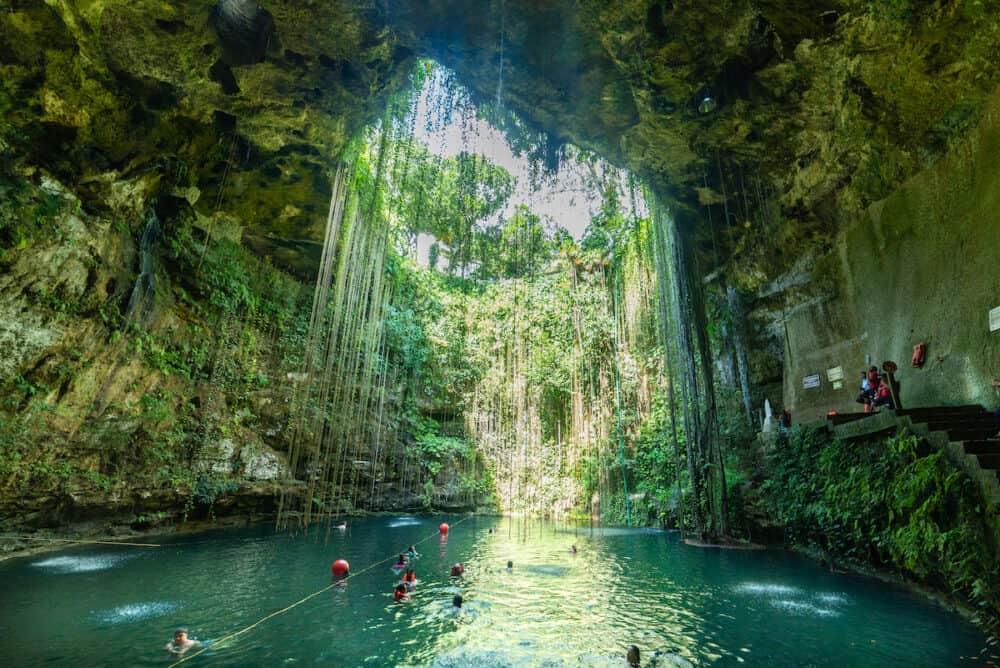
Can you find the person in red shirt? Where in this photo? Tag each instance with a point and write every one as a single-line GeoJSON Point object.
{"type": "Point", "coordinates": [883, 395]}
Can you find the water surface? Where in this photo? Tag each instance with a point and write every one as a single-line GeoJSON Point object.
{"type": "Point", "coordinates": [118, 606]}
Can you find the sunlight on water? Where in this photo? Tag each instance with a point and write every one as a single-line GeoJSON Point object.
{"type": "Point", "coordinates": [757, 588]}
{"type": "Point", "coordinates": [135, 611]}
{"type": "Point", "coordinates": [82, 564]}
{"type": "Point", "coordinates": [832, 599]}
{"type": "Point", "coordinates": [802, 608]}
{"type": "Point", "coordinates": [405, 522]}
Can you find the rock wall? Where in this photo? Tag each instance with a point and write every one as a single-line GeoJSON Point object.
{"type": "Point", "coordinates": [920, 266]}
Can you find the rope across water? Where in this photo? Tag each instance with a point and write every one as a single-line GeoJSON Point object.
{"type": "Point", "coordinates": [302, 600]}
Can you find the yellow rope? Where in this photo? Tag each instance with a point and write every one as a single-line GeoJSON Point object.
{"type": "Point", "coordinates": [86, 542]}
{"type": "Point", "coordinates": [327, 588]}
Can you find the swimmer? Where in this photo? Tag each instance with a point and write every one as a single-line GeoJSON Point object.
{"type": "Point", "coordinates": [412, 553]}
{"type": "Point", "coordinates": [456, 603]}
{"type": "Point", "coordinates": [181, 643]}
{"type": "Point", "coordinates": [400, 563]}
{"type": "Point", "coordinates": [409, 580]}
{"type": "Point", "coordinates": [400, 594]}
{"type": "Point", "coordinates": [342, 526]}
{"type": "Point", "coordinates": [457, 570]}
{"type": "Point", "coordinates": [573, 549]}
{"type": "Point", "coordinates": [632, 656]}
{"type": "Point", "coordinates": [510, 566]}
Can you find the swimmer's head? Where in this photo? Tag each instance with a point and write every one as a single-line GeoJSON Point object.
{"type": "Point", "coordinates": [401, 588]}
{"type": "Point", "coordinates": [180, 635]}
{"type": "Point", "coordinates": [510, 564]}
{"type": "Point", "coordinates": [457, 601]}
{"type": "Point", "coordinates": [632, 656]}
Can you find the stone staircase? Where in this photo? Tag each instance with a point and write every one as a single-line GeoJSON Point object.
{"type": "Point", "coordinates": [965, 433]}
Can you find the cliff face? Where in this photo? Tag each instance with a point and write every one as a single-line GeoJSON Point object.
{"type": "Point", "coordinates": [839, 175]}
{"type": "Point", "coordinates": [920, 266]}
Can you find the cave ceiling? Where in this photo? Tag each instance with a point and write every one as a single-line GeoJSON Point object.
{"type": "Point", "coordinates": [241, 108]}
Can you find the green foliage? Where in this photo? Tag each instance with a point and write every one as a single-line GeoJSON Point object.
{"type": "Point", "coordinates": [892, 503]}
{"type": "Point", "coordinates": [26, 213]}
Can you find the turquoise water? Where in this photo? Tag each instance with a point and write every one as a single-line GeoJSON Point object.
{"type": "Point", "coordinates": [107, 605]}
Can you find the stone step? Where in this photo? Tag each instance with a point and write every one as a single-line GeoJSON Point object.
{"type": "Point", "coordinates": [844, 418]}
{"type": "Point", "coordinates": [985, 421]}
{"type": "Point", "coordinates": [941, 412]}
{"type": "Point", "coordinates": [963, 431]}
{"type": "Point", "coordinates": [970, 434]}
{"type": "Point", "coordinates": [985, 447]}
{"type": "Point", "coordinates": [989, 461]}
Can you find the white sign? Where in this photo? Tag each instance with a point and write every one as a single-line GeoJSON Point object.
{"type": "Point", "coordinates": [835, 374]}
{"type": "Point", "coordinates": [810, 382]}
{"type": "Point", "coordinates": [838, 384]}
{"type": "Point", "coordinates": [995, 319]}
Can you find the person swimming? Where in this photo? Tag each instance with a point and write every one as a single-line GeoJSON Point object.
{"type": "Point", "coordinates": [409, 579]}
{"type": "Point", "coordinates": [573, 549]}
{"type": "Point", "coordinates": [412, 553]}
{"type": "Point", "coordinates": [632, 656]}
{"type": "Point", "coordinates": [400, 563]}
{"type": "Point", "coordinates": [181, 643]}
{"type": "Point", "coordinates": [456, 603]}
{"type": "Point", "coordinates": [510, 566]}
{"type": "Point", "coordinates": [400, 594]}
{"type": "Point", "coordinates": [457, 570]}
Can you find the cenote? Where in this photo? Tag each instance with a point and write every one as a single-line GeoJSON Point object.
{"type": "Point", "coordinates": [718, 277]}
{"type": "Point", "coordinates": [118, 606]}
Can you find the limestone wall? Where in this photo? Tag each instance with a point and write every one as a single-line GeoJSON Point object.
{"type": "Point", "coordinates": [922, 265]}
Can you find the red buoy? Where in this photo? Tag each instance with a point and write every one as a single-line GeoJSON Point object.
{"type": "Point", "coordinates": [340, 567]}
{"type": "Point", "coordinates": [443, 528]}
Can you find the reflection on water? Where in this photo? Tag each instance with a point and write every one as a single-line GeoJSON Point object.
{"type": "Point", "coordinates": [553, 608]}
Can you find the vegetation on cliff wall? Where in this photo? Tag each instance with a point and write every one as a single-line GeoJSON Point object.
{"type": "Point", "coordinates": [896, 504]}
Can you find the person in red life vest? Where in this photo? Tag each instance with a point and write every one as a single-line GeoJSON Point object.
{"type": "Point", "coordinates": [883, 395]}
{"type": "Point", "coordinates": [457, 570]}
{"type": "Point", "coordinates": [400, 594]}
